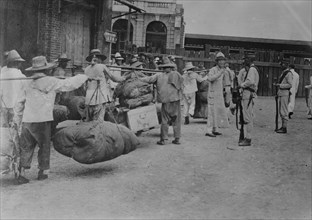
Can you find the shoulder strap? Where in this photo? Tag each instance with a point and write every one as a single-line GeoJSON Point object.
{"type": "Point", "coordinates": [283, 76]}
{"type": "Point", "coordinates": [248, 71]}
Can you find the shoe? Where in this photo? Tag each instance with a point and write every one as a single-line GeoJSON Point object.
{"type": "Point", "coordinates": [176, 141]}
{"type": "Point", "coordinates": [187, 120]}
{"type": "Point", "coordinates": [282, 130]}
{"type": "Point", "coordinates": [210, 135]}
{"type": "Point", "coordinates": [21, 180]}
{"type": "Point", "coordinates": [42, 176]}
{"type": "Point", "coordinates": [216, 133]}
{"type": "Point", "coordinates": [244, 143]}
{"type": "Point", "coordinates": [161, 142]}
{"type": "Point", "coordinates": [290, 114]}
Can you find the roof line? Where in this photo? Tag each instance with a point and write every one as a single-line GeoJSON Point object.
{"type": "Point", "coordinates": [247, 39]}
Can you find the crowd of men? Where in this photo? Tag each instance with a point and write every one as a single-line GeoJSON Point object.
{"type": "Point", "coordinates": [27, 103]}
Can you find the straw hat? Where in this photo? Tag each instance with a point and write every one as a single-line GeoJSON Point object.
{"type": "Point", "coordinates": [220, 56]}
{"type": "Point", "coordinates": [13, 55]}
{"type": "Point", "coordinates": [166, 63]}
{"type": "Point", "coordinates": [40, 63]}
{"type": "Point", "coordinates": [133, 60]}
{"type": "Point", "coordinates": [118, 56]}
{"type": "Point", "coordinates": [63, 58]}
{"type": "Point", "coordinates": [95, 53]}
{"type": "Point", "coordinates": [188, 66]}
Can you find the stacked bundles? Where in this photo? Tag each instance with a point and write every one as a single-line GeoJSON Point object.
{"type": "Point", "coordinates": [133, 93]}
{"type": "Point", "coordinates": [93, 142]}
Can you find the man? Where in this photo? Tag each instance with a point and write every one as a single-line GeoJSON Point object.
{"type": "Point", "coordinates": [190, 79]}
{"type": "Point", "coordinates": [5, 57]}
{"type": "Point", "coordinates": [115, 70]}
{"type": "Point", "coordinates": [10, 89]}
{"type": "Point", "coordinates": [35, 106]}
{"type": "Point", "coordinates": [248, 80]}
{"type": "Point", "coordinates": [169, 93]}
{"type": "Point", "coordinates": [228, 79]}
{"type": "Point", "coordinates": [62, 64]}
{"type": "Point", "coordinates": [172, 60]}
{"type": "Point", "coordinates": [309, 101]}
{"type": "Point", "coordinates": [284, 85]}
{"type": "Point", "coordinates": [98, 92]}
{"type": "Point", "coordinates": [293, 90]}
{"type": "Point", "coordinates": [216, 107]}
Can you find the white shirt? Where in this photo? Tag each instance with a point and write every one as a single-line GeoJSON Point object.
{"type": "Point", "coordinates": [10, 89]}
{"type": "Point", "coordinates": [295, 82]}
{"type": "Point", "coordinates": [36, 101]}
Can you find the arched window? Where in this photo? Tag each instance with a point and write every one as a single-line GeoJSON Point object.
{"type": "Point", "coordinates": [120, 26]}
{"type": "Point", "coordinates": [156, 37]}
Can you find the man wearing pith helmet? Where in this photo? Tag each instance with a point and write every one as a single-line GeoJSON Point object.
{"type": "Point", "coordinates": [217, 116]}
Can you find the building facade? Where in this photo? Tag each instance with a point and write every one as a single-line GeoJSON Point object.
{"type": "Point", "coordinates": [161, 27]}
{"type": "Point", "coordinates": [53, 27]}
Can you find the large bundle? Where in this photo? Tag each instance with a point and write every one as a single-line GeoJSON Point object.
{"type": "Point", "coordinates": [60, 113]}
{"type": "Point", "coordinates": [93, 142]}
{"type": "Point", "coordinates": [76, 107]}
{"type": "Point", "coordinates": [201, 100]}
{"type": "Point", "coordinates": [133, 92]}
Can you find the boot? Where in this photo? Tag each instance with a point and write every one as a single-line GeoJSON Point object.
{"type": "Point", "coordinates": [244, 143]}
{"type": "Point", "coordinates": [176, 141]}
{"type": "Point", "coordinates": [41, 175]}
{"type": "Point", "coordinates": [282, 130]}
{"type": "Point", "coordinates": [161, 142]}
{"type": "Point", "coordinates": [21, 180]}
{"type": "Point", "coordinates": [187, 120]}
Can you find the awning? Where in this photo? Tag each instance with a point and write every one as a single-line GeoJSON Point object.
{"type": "Point", "coordinates": [131, 7]}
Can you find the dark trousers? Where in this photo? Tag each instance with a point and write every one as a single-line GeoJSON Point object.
{"type": "Point", "coordinates": [33, 134]}
{"type": "Point", "coordinates": [170, 112]}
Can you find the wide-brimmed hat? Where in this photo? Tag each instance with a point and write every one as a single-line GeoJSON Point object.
{"type": "Point", "coordinates": [95, 53]}
{"type": "Point", "coordinates": [220, 56]}
{"type": "Point", "coordinates": [166, 63]}
{"type": "Point", "coordinates": [13, 55]}
{"type": "Point", "coordinates": [40, 63]}
{"type": "Point", "coordinates": [63, 58]}
{"type": "Point", "coordinates": [188, 66]}
{"type": "Point", "coordinates": [118, 56]}
{"type": "Point", "coordinates": [133, 60]}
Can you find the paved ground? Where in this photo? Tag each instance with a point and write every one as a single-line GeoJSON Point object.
{"type": "Point", "coordinates": [199, 179]}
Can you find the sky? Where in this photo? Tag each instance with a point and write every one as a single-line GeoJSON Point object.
{"type": "Point", "coordinates": [274, 19]}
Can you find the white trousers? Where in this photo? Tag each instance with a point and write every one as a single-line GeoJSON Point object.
{"type": "Point", "coordinates": [188, 104]}
{"type": "Point", "coordinates": [292, 101]}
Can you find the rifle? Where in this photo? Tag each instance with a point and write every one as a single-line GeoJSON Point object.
{"type": "Point", "coordinates": [276, 104]}
{"type": "Point", "coordinates": [237, 99]}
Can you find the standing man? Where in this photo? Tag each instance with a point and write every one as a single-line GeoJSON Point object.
{"type": "Point", "coordinates": [10, 89]}
{"type": "Point", "coordinates": [98, 92]}
{"type": "Point", "coordinates": [115, 70]}
{"type": "Point", "coordinates": [62, 64]}
{"type": "Point", "coordinates": [309, 101]}
{"type": "Point", "coordinates": [190, 79]}
{"type": "Point", "coordinates": [293, 90]}
{"type": "Point", "coordinates": [5, 61]}
{"type": "Point", "coordinates": [284, 85]}
{"type": "Point", "coordinates": [216, 107]}
{"type": "Point", "coordinates": [248, 80]}
{"type": "Point", "coordinates": [169, 93]}
{"type": "Point", "coordinates": [35, 106]}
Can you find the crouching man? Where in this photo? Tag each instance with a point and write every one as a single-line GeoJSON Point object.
{"type": "Point", "coordinates": [35, 106]}
{"type": "Point", "coordinates": [169, 93]}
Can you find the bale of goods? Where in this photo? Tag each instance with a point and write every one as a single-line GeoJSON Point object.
{"type": "Point", "coordinates": [94, 142]}
{"type": "Point", "coordinates": [76, 107]}
{"type": "Point", "coordinates": [60, 113]}
{"type": "Point", "coordinates": [133, 92]}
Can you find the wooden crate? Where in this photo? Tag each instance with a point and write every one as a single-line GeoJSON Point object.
{"type": "Point", "coordinates": [142, 118]}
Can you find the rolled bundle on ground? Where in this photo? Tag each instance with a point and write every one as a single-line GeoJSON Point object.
{"type": "Point", "coordinates": [93, 142]}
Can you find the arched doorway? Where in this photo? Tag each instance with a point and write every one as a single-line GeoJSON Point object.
{"type": "Point", "coordinates": [156, 37]}
{"type": "Point", "coordinates": [120, 26]}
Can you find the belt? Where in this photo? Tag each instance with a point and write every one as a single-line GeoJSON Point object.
{"type": "Point", "coordinates": [284, 88]}
{"type": "Point", "coordinates": [249, 89]}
